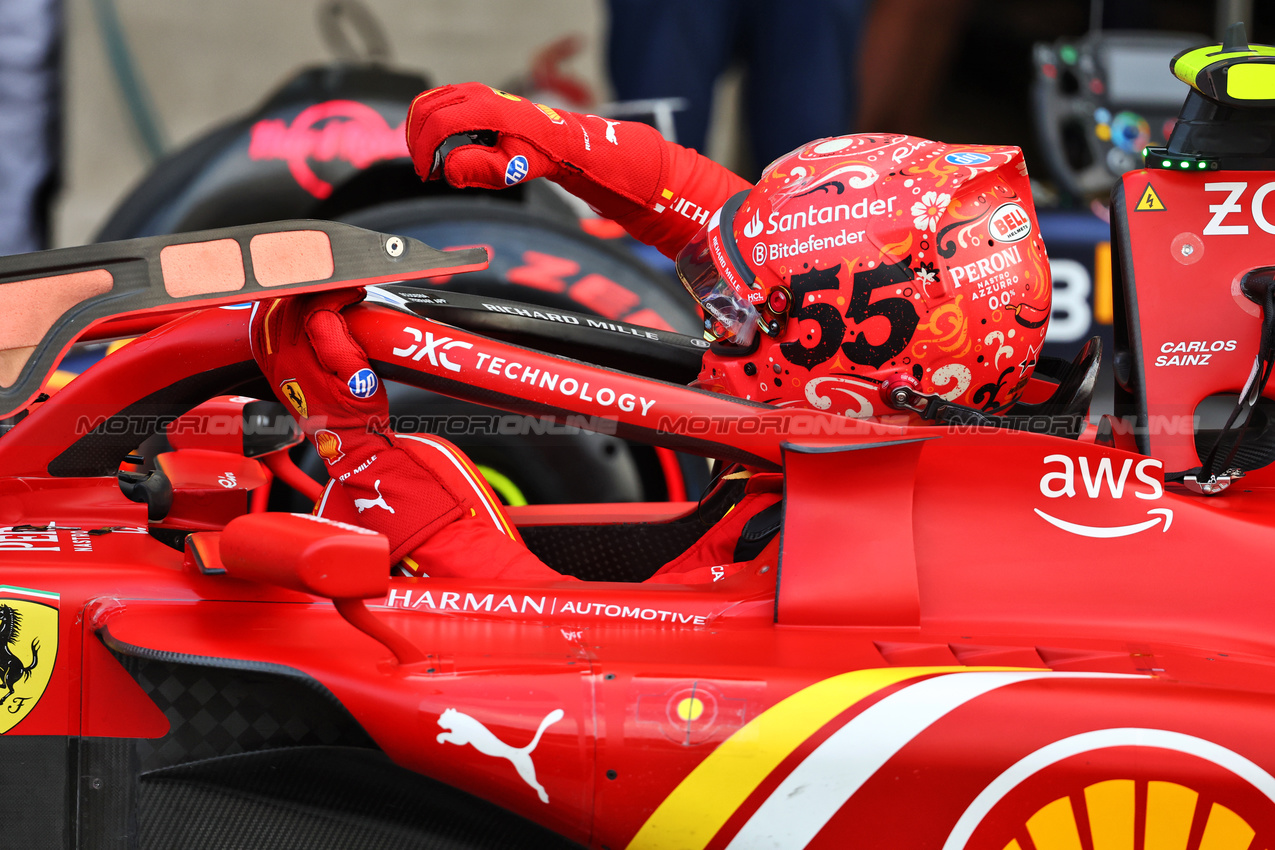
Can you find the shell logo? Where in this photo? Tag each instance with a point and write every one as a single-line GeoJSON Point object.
{"type": "Point", "coordinates": [1162, 790]}
{"type": "Point", "coordinates": [1111, 814]}
{"type": "Point", "coordinates": [328, 445]}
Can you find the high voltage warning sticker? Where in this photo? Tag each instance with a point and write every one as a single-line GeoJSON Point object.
{"type": "Point", "coordinates": [1150, 201]}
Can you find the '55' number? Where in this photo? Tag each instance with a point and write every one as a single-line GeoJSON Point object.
{"type": "Point", "coordinates": [898, 311]}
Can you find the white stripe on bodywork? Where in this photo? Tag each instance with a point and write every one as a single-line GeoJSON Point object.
{"type": "Point", "coordinates": [806, 800]}
{"type": "Point", "coordinates": [1098, 740]}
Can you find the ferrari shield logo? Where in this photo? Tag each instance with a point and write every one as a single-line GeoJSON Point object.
{"type": "Point", "coordinates": [291, 390]}
{"type": "Point", "coordinates": [28, 649]}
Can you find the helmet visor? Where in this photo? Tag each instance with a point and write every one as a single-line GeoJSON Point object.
{"type": "Point", "coordinates": [731, 317]}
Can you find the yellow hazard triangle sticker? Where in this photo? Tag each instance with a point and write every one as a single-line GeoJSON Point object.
{"type": "Point", "coordinates": [1150, 201]}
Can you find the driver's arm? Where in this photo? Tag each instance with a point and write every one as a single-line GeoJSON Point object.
{"type": "Point", "coordinates": [660, 192]}
{"type": "Point", "coordinates": [419, 491]}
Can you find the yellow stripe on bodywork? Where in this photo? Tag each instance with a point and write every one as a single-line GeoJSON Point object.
{"type": "Point", "coordinates": [702, 803]}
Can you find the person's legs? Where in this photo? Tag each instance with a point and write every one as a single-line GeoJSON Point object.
{"type": "Point", "coordinates": [29, 97]}
{"type": "Point", "coordinates": [901, 72]}
{"type": "Point", "coordinates": [672, 48]}
{"type": "Point", "coordinates": [800, 79]}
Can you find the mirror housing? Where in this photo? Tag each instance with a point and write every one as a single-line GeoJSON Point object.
{"type": "Point", "coordinates": [309, 554]}
{"type": "Point", "coordinates": [322, 557]}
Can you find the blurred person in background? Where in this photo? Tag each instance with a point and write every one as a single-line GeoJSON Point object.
{"type": "Point", "coordinates": [798, 57]}
{"type": "Point", "coordinates": [30, 93]}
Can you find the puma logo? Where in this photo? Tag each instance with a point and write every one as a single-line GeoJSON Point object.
{"type": "Point", "coordinates": [378, 502]}
{"type": "Point", "coordinates": [611, 125]}
{"type": "Point", "coordinates": [463, 729]}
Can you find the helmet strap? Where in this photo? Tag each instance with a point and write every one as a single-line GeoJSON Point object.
{"type": "Point", "coordinates": [936, 409]}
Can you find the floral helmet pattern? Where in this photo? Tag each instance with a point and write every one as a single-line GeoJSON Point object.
{"type": "Point", "coordinates": [874, 265]}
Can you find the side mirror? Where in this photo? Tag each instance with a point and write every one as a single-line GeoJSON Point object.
{"type": "Point", "coordinates": [235, 424]}
{"type": "Point", "coordinates": [205, 488]}
{"type": "Point", "coordinates": [341, 562]}
{"type": "Point", "coordinates": [246, 427]}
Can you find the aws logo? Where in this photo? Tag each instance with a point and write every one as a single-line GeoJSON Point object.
{"type": "Point", "coordinates": [1099, 478]}
{"type": "Point", "coordinates": [28, 650]}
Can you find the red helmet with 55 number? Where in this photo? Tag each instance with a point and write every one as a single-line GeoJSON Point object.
{"type": "Point", "coordinates": [869, 274]}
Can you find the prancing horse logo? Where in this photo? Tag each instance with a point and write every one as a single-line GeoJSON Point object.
{"type": "Point", "coordinates": [292, 391]}
{"type": "Point", "coordinates": [11, 667]}
{"type": "Point", "coordinates": [28, 650]}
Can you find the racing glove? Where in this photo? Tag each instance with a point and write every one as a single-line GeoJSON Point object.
{"type": "Point", "coordinates": [321, 374]}
{"type": "Point", "coordinates": [660, 192]}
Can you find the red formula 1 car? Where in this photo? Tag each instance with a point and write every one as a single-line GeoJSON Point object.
{"type": "Point", "coordinates": [974, 636]}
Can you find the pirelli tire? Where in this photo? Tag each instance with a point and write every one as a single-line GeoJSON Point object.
{"type": "Point", "coordinates": [547, 260]}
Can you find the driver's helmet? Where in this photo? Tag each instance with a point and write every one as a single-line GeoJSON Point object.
{"type": "Point", "coordinates": [864, 273]}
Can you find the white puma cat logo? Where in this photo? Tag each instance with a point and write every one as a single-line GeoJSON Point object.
{"type": "Point", "coordinates": [463, 729]}
{"type": "Point", "coordinates": [611, 125]}
{"type": "Point", "coordinates": [378, 502]}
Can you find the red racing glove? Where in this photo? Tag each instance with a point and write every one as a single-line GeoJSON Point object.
{"type": "Point", "coordinates": [321, 374]}
{"type": "Point", "coordinates": [660, 192]}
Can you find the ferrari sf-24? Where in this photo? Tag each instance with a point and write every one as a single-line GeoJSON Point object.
{"type": "Point", "coordinates": [1007, 636]}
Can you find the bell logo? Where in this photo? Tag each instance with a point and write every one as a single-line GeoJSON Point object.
{"type": "Point", "coordinates": [1009, 223]}
{"type": "Point", "coordinates": [753, 228]}
{"type": "Point", "coordinates": [28, 650]}
{"type": "Point", "coordinates": [1099, 479]}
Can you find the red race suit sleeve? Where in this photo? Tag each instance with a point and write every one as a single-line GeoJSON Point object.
{"type": "Point", "coordinates": [660, 192]}
{"type": "Point", "coordinates": [419, 491]}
